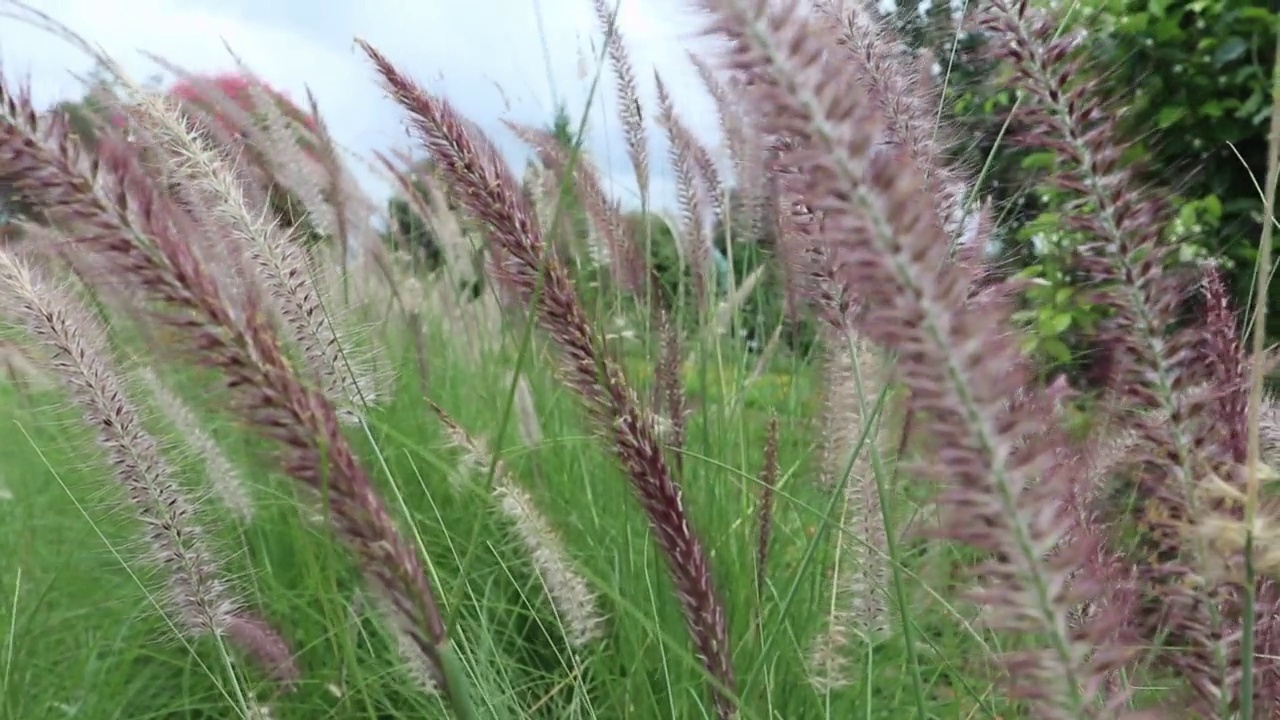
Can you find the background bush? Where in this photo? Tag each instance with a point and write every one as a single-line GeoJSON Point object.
{"type": "Point", "coordinates": [1198, 75]}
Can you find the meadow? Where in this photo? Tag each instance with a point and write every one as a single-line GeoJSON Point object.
{"type": "Point", "coordinates": [500, 464]}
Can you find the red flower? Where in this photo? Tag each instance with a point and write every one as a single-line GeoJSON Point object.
{"type": "Point", "coordinates": [238, 88]}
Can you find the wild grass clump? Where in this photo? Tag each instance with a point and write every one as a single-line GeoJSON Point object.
{"type": "Point", "coordinates": [506, 474]}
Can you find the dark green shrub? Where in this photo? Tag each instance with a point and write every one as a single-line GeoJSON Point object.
{"type": "Point", "coordinates": [1200, 73]}
{"type": "Point", "coordinates": [1195, 77]}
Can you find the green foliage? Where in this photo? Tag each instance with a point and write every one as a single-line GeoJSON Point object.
{"type": "Point", "coordinates": [766, 309]}
{"type": "Point", "coordinates": [411, 233]}
{"type": "Point", "coordinates": [571, 226]}
{"type": "Point", "coordinates": [1193, 78]}
{"type": "Point", "coordinates": [1198, 72]}
{"type": "Point", "coordinates": [657, 238]}
{"type": "Point", "coordinates": [1057, 307]}
{"type": "Point", "coordinates": [736, 253]}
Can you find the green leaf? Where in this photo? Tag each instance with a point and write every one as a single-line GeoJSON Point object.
{"type": "Point", "coordinates": [1039, 161]}
{"type": "Point", "coordinates": [1230, 49]}
{"type": "Point", "coordinates": [1250, 107]}
{"type": "Point", "coordinates": [1056, 349]}
{"type": "Point", "coordinates": [1058, 323]}
{"type": "Point", "coordinates": [1170, 114]}
{"type": "Point", "coordinates": [1168, 30]}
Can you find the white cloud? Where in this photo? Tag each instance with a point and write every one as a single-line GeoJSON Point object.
{"type": "Point", "coordinates": [494, 59]}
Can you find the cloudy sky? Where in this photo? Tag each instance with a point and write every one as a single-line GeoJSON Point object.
{"type": "Point", "coordinates": [495, 59]}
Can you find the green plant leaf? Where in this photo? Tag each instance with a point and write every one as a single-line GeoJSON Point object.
{"type": "Point", "coordinates": [1169, 115]}
{"type": "Point", "coordinates": [1230, 49]}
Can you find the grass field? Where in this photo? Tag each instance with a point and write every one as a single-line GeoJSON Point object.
{"type": "Point", "coordinates": [84, 638]}
{"type": "Point", "coordinates": [249, 474]}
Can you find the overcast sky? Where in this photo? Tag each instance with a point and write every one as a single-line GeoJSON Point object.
{"type": "Point", "coordinates": [494, 59]}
